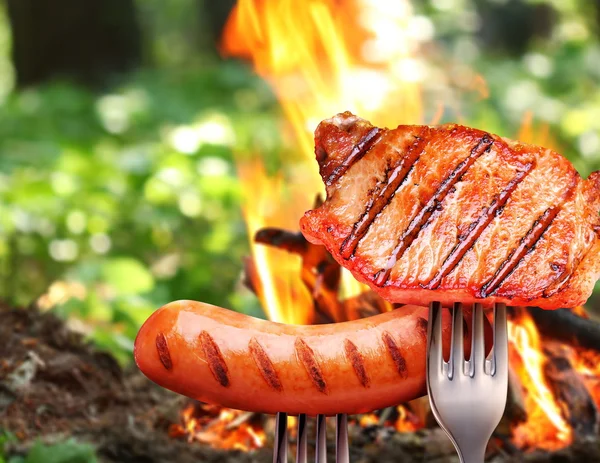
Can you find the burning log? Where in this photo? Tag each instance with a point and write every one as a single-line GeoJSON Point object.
{"type": "Point", "coordinates": [566, 326]}
{"type": "Point", "coordinates": [320, 273]}
{"type": "Point", "coordinates": [577, 405]}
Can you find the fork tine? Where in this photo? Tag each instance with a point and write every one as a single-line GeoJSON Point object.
{"type": "Point", "coordinates": [477, 363]}
{"type": "Point", "coordinates": [500, 358]}
{"type": "Point", "coordinates": [321, 447]}
{"type": "Point", "coordinates": [341, 439]}
{"type": "Point", "coordinates": [280, 450]}
{"type": "Point", "coordinates": [435, 359]}
{"type": "Point", "coordinates": [301, 456]}
{"type": "Point", "coordinates": [457, 351]}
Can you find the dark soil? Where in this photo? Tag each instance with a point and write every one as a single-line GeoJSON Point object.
{"type": "Point", "coordinates": [53, 386]}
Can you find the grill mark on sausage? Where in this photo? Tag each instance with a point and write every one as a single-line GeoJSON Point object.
{"type": "Point", "coordinates": [526, 244]}
{"type": "Point", "coordinates": [421, 220]}
{"type": "Point", "coordinates": [395, 354]}
{"type": "Point", "coordinates": [387, 189]}
{"type": "Point", "coordinates": [357, 362]}
{"type": "Point", "coordinates": [264, 364]}
{"type": "Point", "coordinates": [360, 149]}
{"type": "Point", "coordinates": [421, 326]}
{"type": "Point", "coordinates": [476, 228]}
{"type": "Point", "coordinates": [163, 351]}
{"type": "Point", "coordinates": [309, 360]}
{"type": "Point", "coordinates": [215, 359]}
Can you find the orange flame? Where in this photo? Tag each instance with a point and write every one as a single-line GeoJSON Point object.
{"type": "Point", "coordinates": [321, 57]}
{"type": "Point", "coordinates": [217, 427]}
{"type": "Point", "coordinates": [277, 278]}
{"type": "Point", "coordinates": [327, 56]}
{"type": "Point", "coordinates": [545, 426]}
{"type": "Point", "coordinates": [406, 422]}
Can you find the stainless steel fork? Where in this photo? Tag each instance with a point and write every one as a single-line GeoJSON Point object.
{"type": "Point", "coordinates": [467, 397]}
{"type": "Point", "coordinates": [341, 440]}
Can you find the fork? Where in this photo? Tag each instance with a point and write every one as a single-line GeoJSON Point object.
{"type": "Point", "coordinates": [281, 440]}
{"type": "Point", "coordinates": [467, 397]}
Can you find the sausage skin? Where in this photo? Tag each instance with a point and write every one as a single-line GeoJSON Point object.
{"type": "Point", "coordinates": [223, 357]}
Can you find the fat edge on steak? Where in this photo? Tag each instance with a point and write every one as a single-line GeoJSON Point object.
{"type": "Point", "coordinates": [451, 213]}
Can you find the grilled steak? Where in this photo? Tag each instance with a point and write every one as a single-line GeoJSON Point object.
{"type": "Point", "coordinates": [451, 213]}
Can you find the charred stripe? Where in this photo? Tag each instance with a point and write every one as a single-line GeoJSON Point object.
{"type": "Point", "coordinates": [526, 244]}
{"type": "Point", "coordinates": [387, 189]}
{"type": "Point", "coordinates": [163, 351]}
{"type": "Point", "coordinates": [476, 228]}
{"type": "Point", "coordinates": [423, 217]}
{"type": "Point", "coordinates": [395, 354]}
{"type": "Point", "coordinates": [215, 359]}
{"type": "Point", "coordinates": [357, 362]}
{"type": "Point", "coordinates": [359, 150]}
{"type": "Point", "coordinates": [264, 364]}
{"type": "Point", "coordinates": [309, 360]}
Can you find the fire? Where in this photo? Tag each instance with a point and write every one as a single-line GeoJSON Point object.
{"type": "Point", "coordinates": [545, 426]}
{"type": "Point", "coordinates": [369, 419]}
{"type": "Point", "coordinates": [221, 428]}
{"type": "Point", "coordinates": [276, 273]}
{"type": "Point", "coordinates": [326, 56]}
{"type": "Point", "coordinates": [321, 57]}
{"type": "Point", "coordinates": [406, 422]}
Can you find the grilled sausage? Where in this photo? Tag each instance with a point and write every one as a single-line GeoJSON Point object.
{"type": "Point", "coordinates": [219, 356]}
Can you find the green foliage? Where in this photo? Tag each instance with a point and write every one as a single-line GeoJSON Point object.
{"type": "Point", "coordinates": [69, 451]}
{"type": "Point", "coordinates": [128, 199]}
{"type": "Point", "coordinates": [5, 437]}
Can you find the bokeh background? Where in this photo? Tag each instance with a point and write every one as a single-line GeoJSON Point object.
{"type": "Point", "coordinates": [119, 123]}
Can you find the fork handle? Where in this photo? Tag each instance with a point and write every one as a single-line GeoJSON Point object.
{"type": "Point", "coordinates": [472, 454]}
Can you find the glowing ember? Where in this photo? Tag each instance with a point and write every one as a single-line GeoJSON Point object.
{"type": "Point", "coordinates": [545, 426]}
{"type": "Point", "coordinates": [369, 419]}
{"type": "Point", "coordinates": [406, 422]}
{"type": "Point", "coordinates": [218, 427]}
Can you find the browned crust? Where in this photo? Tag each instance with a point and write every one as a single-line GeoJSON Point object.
{"type": "Point", "coordinates": [387, 188]}
{"type": "Point", "coordinates": [264, 364]}
{"type": "Point", "coordinates": [215, 359]}
{"type": "Point", "coordinates": [424, 216]}
{"type": "Point", "coordinates": [360, 149]}
{"type": "Point", "coordinates": [307, 357]}
{"type": "Point", "coordinates": [163, 351]}
{"type": "Point", "coordinates": [476, 228]}
{"type": "Point", "coordinates": [395, 354]}
{"type": "Point", "coordinates": [526, 244]}
{"type": "Point", "coordinates": [356, 360]}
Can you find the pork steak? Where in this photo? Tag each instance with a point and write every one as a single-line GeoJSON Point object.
{"type": "Point", "coordinates": [451, 213]}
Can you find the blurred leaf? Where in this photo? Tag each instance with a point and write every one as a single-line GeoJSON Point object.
{"type": "Point", "coordinates": [70, 451]}
{"type": "Point", "coordinates": [127, 276]}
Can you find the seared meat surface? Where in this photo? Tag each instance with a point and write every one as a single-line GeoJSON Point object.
{"type": "Point", "coordinates": [451, 213]}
